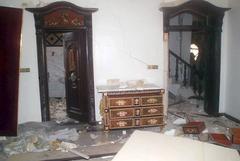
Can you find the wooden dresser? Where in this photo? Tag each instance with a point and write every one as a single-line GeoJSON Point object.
{"type": "Point", "coordinates": [132, 108]}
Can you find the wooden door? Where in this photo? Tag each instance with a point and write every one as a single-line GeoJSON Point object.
{"type": "Point", "coordinates": [10, 33]}
{"type": "Point", "coordinates": [76, 75]}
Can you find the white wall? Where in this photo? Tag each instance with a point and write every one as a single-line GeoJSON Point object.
{"type": "Point", "coordinates": [232, 88]}
{"type": "Point", "coordinates": [29, 98]}
{"type": "Point", "coordinates": [127, 36]}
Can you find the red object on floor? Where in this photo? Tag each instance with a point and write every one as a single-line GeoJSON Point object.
{"type": "Point", "coordinates": [195, 127]}
{"type": "Point", "coordinates": [235, 135]}
{"type": "Point", "coordinates": [220, 139]}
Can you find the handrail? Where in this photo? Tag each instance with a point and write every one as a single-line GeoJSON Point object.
{"type": "Point", "coordinates": [179, 58]}
{"type": "Point", "coordinates": [194, 82]}
{"type": "Point", "coordinates": [186, 64]}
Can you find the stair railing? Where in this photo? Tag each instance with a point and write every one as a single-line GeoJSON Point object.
{"type": "Point", "coordinates": [186, 68]}
{"type": "Point", "coordinates": [190, 75]}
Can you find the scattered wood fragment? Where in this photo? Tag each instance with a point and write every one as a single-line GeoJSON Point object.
{"type": "Point", "coordinates": [220, 139]}
{"type": "Point", "coordinates": [79, 157]}
{"type": "Point", "coordinates": [195, 127]}
{"type": "Point", "coordinates": [235, 135]}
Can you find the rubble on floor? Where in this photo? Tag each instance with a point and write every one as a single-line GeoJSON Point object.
{"type": "Point", "coordinates": [47, 136]}
{"type": "Point", "coordinates": [57, 108]}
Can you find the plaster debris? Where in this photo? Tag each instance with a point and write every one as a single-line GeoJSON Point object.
{"type": "Point", "coordinates": [180, 121]}
{"type": "Point", "coordinates": [170, 132]}
{"type": "Point", "coordinates": [57, 108]}
{"type": "Point", "coordinates": [48, 136]}
{"type": "Point", "coordinates": [3, 138]}
{"type": "Point", "coordinates": [69, 147]}
{"type": "Point", "coordinates": [64, 134]}
{"type": "Point", "coordinates": [205, 131]}
{"type": "Point", "coordinates": [66, 146]}
{"type": "Point", "coordinates": [93, 136]}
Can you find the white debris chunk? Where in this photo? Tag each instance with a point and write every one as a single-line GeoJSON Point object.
{"type": "Point", "coordinates": [170, 132]}
{"type": "Point", "coordinates": [180, 121]}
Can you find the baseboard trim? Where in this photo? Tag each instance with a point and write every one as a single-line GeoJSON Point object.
{"type": "Point", "coordinates": [230, 117]}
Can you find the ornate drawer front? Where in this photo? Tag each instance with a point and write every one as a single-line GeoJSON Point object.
{"type": "Point", "coordinates": [126, 123]}
{"type": "Point", "coordinates": [151, 100]}
{"type": "Point", "coordinates": [150, 111]}
{"type": "Point", "coordinates": [121, 113]}
{"type": "Point", "coordinates": [120, 102]}
{"type": "Point", "coordinates": [151, 121]}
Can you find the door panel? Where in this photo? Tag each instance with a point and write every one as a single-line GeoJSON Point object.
{"type": "Point", "coordinates": [76, 75]}
{"type": "Point", "coordinates": [10, 33]}
{"type": "Point", "coordinates": [212, 76]}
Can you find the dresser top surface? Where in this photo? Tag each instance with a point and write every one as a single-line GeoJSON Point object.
{"type": "Point", "coordinates": [106, 88]}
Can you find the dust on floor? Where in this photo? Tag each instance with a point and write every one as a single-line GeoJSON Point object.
{"type": "Point", "coordinates": [36, 140]}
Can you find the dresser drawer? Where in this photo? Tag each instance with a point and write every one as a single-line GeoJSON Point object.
{"type": "Point", "coordinates": [120, 102]}
{"type": "Point", "coordinates": [151, 100]}
{"type": "Point", "coordinates": [151, 121]}
{"type": "Point", "coordinates": [121, 113]}
{"type": "Point", "coordinates": [150, 111]}
{"type": "Point", "coordinates": [123, 123]}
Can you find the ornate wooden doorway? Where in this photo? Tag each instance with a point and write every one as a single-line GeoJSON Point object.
{"type": "Point", "coordinates": [207, 19]}
{"type": "Point", "coordinates": [64, 17]}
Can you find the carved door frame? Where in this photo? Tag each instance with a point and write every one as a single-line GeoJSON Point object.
{"type": "Point", "coordinates": [63, 16]}
{"type": "Point", "coordinates": [213, 17]}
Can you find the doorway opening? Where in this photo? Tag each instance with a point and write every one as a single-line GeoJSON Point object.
{"type": "Point", "coordinates": [56, 75]}
{"type": "Point", "coordinates": [194, 43]}
{"type": "Point", "coordinates": [186, 61]}
{"type": "Point", "coordinates": [66, 71]}
{"type": "Point", "coordinates": [65, 60]}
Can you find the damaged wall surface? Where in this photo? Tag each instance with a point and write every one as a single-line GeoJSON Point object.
{"type": "Point", "coordinates": [127, 36]}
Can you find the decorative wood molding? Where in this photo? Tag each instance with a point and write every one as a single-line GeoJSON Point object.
{"type": "Point", "coordinates": [200, 8]}
{"type": "Point", "coordinates": [61, 17]}
{"type": "Point", "coordinates": [211, 18]}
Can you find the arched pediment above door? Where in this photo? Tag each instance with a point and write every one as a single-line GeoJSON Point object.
{"type": "Point", "coordinates": [62, 15]}
{"type": "Point", "coordinates": [211, 14]}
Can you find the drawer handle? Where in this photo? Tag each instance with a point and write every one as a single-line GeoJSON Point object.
{"type": "Point", "coordinates": [152, 111]}
{"type": "Point", "coordinates": [122, 113]}
{"type": "Point", "coordinates": [121, 123]}
{"type": "Point", "coordinates": [136, 101]}
{"type": "Point", "coordinates": [152, 100]}
{"type": "Point", "coordinates": [137, 122]}
{"type": "Point", "coordinates": [121, 102]}
{"type": "Point", "coordinates": [152, 121]}
{"type": "Point", "coordinates": [137, 112]}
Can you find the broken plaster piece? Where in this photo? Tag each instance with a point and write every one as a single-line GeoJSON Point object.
{"type": "Point", "coordinates": [93, 136]}
{"type": "Point", "coordinates": [180, 121]}
{"type": "Point", "coordinates": [170, 132]}
{"type": "Point", "coordinates": [205, 131]}
{"type": "Point", "coordinates": [69, 147]}
{"type": "Point", "coordinates": [144, 145]}
{"type": "Point", "coordinates": [3, 138]}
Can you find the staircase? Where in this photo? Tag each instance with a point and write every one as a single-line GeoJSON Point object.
{"type": "Point", "coordinates": [183, 80]}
